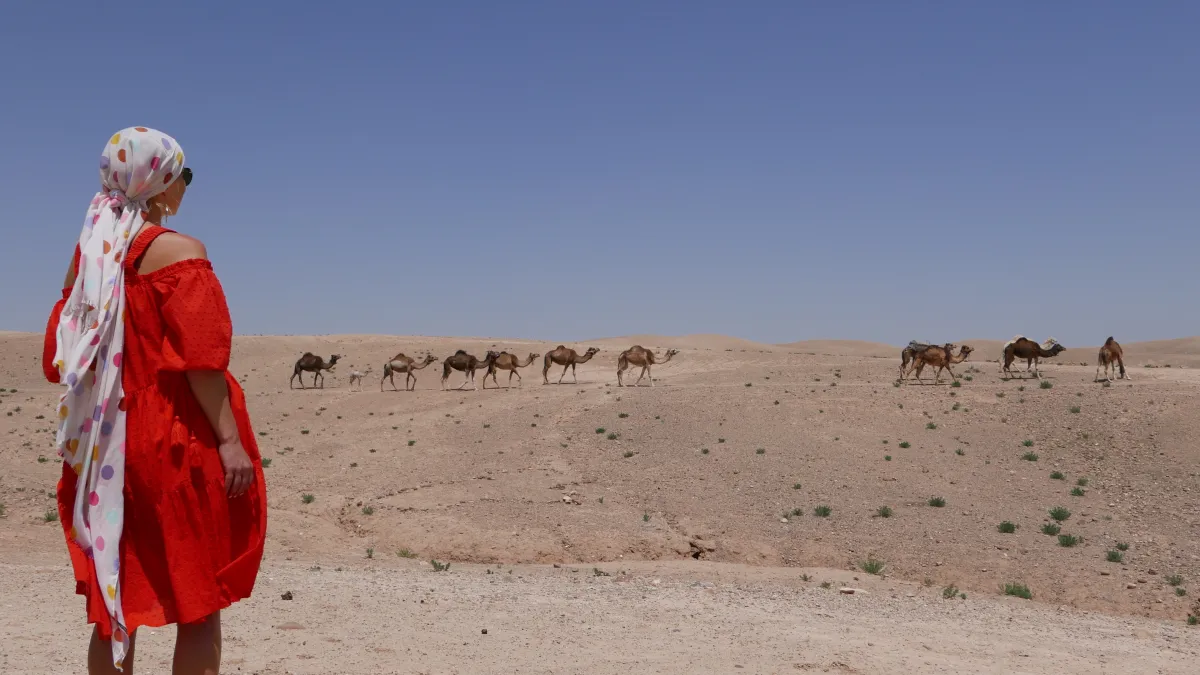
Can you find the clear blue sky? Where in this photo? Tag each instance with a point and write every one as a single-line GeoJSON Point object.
{"type": "Point", "coordinates": [564, 170]}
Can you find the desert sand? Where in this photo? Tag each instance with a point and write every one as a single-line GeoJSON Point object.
{"type": "Point", "coordinates": [682, 537]}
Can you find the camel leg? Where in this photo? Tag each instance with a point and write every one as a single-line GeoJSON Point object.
{"type": "Point", "coordinates": [651, 375]}
{"type": "Point", "coordinates": [619, 371]}
{"type": "Point", "coordinates": [574, 377]}
{"type": "Point", "coordinates": [951, 371]}
{"type": "Point", "coordinates": [510, 378]}
{"type": "Point", "coordinates": [643, 374]}
{"type": "Point", "coordinates": [564, 373]}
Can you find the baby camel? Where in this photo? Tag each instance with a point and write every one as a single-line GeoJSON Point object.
{"type": "Point", "coordinates": [356, 377]}
{"type": "Point", "coordinates": [506, 361]}
{"type": "Point", "coordinates": [567, 358]}
{"type": "Point", "coordinates": [1111, 356]}
{"type": "Point", "coordinates": [941, 358]}
{"type": "Point", "coordinates": [407, 365]}
{"type": "Point", "coordinates": [640, 356]}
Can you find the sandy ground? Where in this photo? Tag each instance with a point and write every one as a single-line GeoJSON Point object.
{"type": "Point", "coordinates": [707, 481]}
{"type": "Point", "coordinates": [398, 617]}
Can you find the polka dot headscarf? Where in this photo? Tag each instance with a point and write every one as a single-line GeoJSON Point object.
{"type": "Point", "coordinates": [137, 164]}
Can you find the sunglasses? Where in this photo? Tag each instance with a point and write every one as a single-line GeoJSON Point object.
{"type": "Point", "coordinates": [186, 176]}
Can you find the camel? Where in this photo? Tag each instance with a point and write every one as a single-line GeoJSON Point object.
{"type": "Point", "coordinates": [567, 358]}
{"type": "Point", "coordinates": [357, 377]}
{"type": "Point", "coordinates": [907, 354]}
{"type": "Point", "coordinates": [308, 363]}
{"type": "Point", "coordinates": [640, 356]}
{"type": "Point", "coordinates": [467, 364]}
{"type": "Point", "coordinates": [940, 358]}
{"type": "Point", "coordinates": [407, 365]}
{"type": "Point", "coordinates": [1021, 347]}
{"type": "Point", "coordinates": [506, 361]}
{"type": "Point", "coordinates": [1111, 356]}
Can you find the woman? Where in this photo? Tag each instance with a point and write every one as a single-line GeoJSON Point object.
{"type": "Point", "coordinates": [162, 497]}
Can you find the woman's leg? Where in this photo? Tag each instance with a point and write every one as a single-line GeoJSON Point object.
{"type": "Point", "coordinates": [100, 656]}
{"type": "Point", "coordinates": [198, 647]}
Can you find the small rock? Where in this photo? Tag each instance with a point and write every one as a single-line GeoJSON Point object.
{"type": "Point", "coordinates": [783, 520]}
{"type": "Point", "coordinates": [485, 631]}
{"type": "Point", "coordinates": [1104, 574]}
{"type": "Point", "coordinates": [852, 591]}
{"type": "Point", "coordinates": [286, 596]}
{"type": "Point", "coordinates": [1151, 571]}
{"type": "Point", "coordinates": [1129, 586]}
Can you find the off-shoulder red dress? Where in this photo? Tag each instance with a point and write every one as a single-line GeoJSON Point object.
{"type": "Point", "coordinates": [186, 549]}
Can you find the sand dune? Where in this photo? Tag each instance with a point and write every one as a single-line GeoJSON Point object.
{"type": "Point", "coordinates": [844, 348]}
{"type": "Point", "coordinates": [698, 342]}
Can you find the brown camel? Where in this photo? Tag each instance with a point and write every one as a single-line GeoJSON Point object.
{"type": "Point", "coordinates": [407, 365]}
{"type": "Point", "coordinates": [1111, 356]}
{"type": "Point", "coordinates": [312, 364]}
{"type": "Point", "coordinates": [640, 356]}
{"type": "Point", "coordinates": [940, 358]}
{"type": "Point", "coordinates": [907, 354]}
{"type": "Point", "coordinates": [506, 361]}
{"type": "Point", "coordinates": [567, 358]}
{"type": "Point", "coordinates": [466, 364]}
{"type": "Point", "coordinates": [1021, 347]}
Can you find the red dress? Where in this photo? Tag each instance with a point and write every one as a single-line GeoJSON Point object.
{"type": "Point", "coordinates": [186, 549]}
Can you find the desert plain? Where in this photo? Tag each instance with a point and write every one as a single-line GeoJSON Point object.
{"type": "Point", "coordinates": [729, 519]}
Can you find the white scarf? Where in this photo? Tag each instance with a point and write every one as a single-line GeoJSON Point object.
{"type": "Point", "coordinates": [137, 164]}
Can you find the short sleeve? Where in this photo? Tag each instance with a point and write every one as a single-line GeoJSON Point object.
{"type": "Point", "coordinates": [197, 330]}
{"type": "Point", "coordinates": [50, 342]}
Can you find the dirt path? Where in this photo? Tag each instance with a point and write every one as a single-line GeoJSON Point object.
{"type": "Point", "coordinates": [400, 617]}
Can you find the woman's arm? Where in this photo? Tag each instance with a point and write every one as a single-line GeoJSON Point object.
{"type": "Point", "coordinates": [212, 392]}
{"type": "Point", "coordinates": [70, 279]}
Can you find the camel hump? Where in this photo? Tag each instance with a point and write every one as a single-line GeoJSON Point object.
{"type": "Point", "coordinates": [306, 354]}
{"type": "Point", "coordinates": [461, 351]}
{"type": "Point", "coordinates": [561, 347]}
{"type": "Point", "coordinates": [1109, 341]}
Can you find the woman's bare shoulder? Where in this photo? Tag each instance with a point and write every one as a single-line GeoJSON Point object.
{"type": "Point", "coordinates": [169, 248]}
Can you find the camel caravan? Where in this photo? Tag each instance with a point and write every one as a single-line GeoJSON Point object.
{"type": "Point", "coordinates": [492, 362]}
{"type": "Point", "coordinates": [916, 355]}
{"type": "Point", "coordinates": [914, 358]}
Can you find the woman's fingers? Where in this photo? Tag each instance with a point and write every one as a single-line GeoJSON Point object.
{"type": "Point", "coordinates": [240, 481]}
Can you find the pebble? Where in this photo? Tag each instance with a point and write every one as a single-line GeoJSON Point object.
{"type": "Point", "coordinates": [1128, 586]}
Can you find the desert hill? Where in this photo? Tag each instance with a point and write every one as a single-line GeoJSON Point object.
{"type": "Point", "coordinates": [777, 457]}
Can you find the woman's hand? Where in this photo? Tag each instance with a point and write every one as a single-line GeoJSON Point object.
{"type": "Point", "coordinates": [239, 471]}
